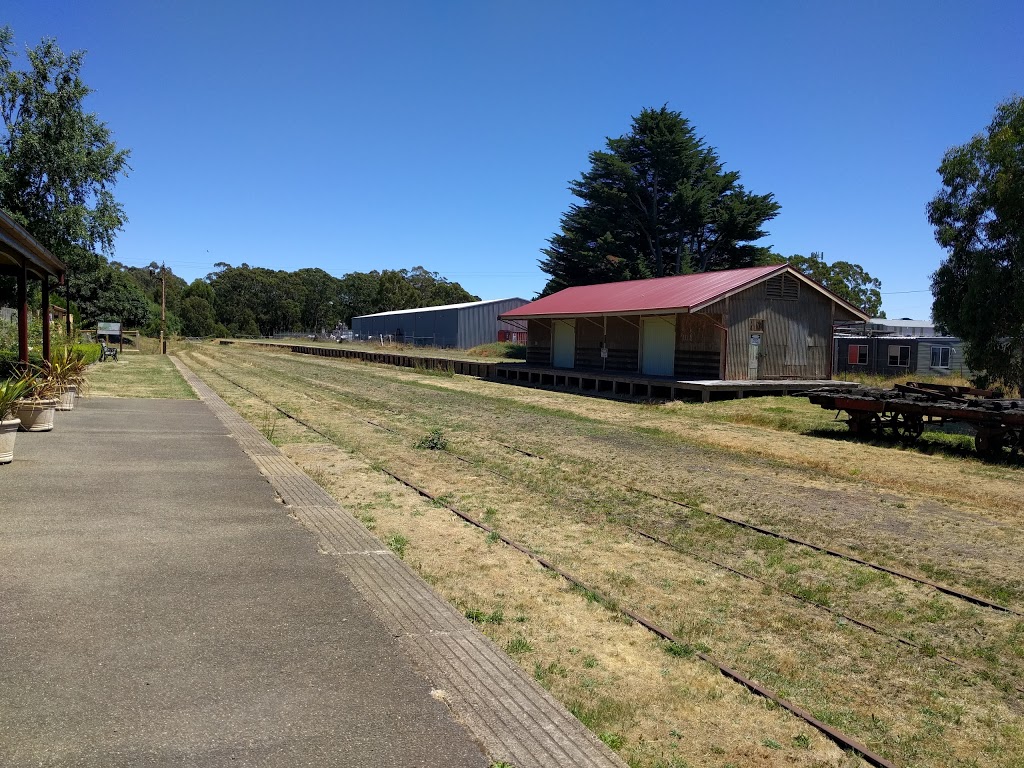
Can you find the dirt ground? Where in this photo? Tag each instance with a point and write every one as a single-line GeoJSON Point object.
{"type": "Point", "coordinates": [591, 488]}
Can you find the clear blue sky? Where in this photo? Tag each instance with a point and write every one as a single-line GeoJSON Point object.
{"type": "Point", "coordinates": [393, 134]}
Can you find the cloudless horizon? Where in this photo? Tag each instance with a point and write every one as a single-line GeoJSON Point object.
{"type": "Point", "coordinates": [391, 135]}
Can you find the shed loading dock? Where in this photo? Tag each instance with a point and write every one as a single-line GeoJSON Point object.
{"type": "Point", "coordinates": [459, 326]}
{"type": "Point", "coordinates": [760, 323]}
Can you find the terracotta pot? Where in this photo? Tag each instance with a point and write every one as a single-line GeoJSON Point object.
{"type": "Point", "coordinates": [35, 415]}
{"type": "Point", "coordinates": [8, 431]}
{"type": "Point", "coordinates": [67, 398]}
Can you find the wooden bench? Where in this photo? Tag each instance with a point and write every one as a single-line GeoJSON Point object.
{"type": "Point", "coordinates": [107, 352]}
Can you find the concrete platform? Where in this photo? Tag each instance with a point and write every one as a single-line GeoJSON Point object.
{"type": "Point", "coordinates": [161, 606]}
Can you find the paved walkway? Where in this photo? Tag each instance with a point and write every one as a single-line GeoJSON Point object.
{"type": "Point", "coordinates": [159, 606]}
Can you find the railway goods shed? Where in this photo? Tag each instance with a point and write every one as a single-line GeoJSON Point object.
{"type": "Point", "coordinates": [458, 326]}
{"type": "Point", "coordinates": [758, 323]}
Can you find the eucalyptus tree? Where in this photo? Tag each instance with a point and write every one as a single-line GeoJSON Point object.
{"type": "Point", "coordinates": [58, 161]}
{"type": "Point", "coordinates": [978, 217]}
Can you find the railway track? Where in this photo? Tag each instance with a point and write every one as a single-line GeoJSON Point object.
{"type": "Point", "coordinates": [838, 737]}
{"type": "Point", "coordinates": [829, 551]}
{"type": "Point", "coordinates": [643, 533]}
{"type": "Point", "coordinates": [579, 583]}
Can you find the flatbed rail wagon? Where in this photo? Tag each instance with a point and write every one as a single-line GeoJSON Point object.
{"type": "Point", "coordinates": [904, 412]}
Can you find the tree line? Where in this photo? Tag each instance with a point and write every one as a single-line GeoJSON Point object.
{"type": "Point", "coordinates": [255, 301]}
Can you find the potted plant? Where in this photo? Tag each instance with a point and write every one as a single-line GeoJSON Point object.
{"type": "Point", "coordinates": [37, 406]}
{"type": "Point", "coordinates": [67, 368]}
{"type": "Point", "coordinates": [11, 390]}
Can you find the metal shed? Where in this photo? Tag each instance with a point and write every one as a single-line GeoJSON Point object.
{"type": "Point", "coordinates": [459, 326]}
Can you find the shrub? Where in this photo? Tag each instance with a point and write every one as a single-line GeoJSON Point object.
{"type": "Point", "coordinates": [90, 352]}
{"type": "Point", "coordinates": [434, 440]}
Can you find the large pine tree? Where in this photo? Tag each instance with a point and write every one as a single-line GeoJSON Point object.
{"type": "Point", "coordinates": [656, 202]}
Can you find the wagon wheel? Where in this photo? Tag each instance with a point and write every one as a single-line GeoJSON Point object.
{"type": "Point", "coordinates": [906, 426]}
{"type": "Point", "coordinates": [989, 441]}
{"type": "Point", "coordinates": [1016, 440]}
{"type": "Point", "coordinates": [862, 424]}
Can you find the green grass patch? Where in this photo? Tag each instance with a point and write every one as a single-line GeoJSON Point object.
{"type": "Point", "coordinates": [500, 349]}
{"type": "Point", "coordinates": [138, 375]}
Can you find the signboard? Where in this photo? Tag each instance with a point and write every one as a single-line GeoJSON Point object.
{"type": "Point", "coordinates": [108, 329]}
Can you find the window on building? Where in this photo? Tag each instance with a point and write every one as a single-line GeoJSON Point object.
{"type": "Point", "coordinates": [857, 354]}
{"type": "Point", "coordinates": [899, 357]}
{"type": "Point", "coordinates": [940, 357]}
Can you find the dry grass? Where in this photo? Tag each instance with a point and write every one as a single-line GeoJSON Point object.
{"type": "Point", "coordinates": [656, 708]}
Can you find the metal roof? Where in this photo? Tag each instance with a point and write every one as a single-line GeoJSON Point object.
{"type": "Point", "coordinates": [689, 293]}
{"type": "Point", "coordinates": [17, 244]}
{"type": "Point", "coordinates": [897, 324]}
{"type": "Point", "coordinates": [441, 307]}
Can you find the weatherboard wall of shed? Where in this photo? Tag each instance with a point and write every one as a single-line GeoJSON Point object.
{"type": "Point", "coordinates": [957, 363]}
{"type": "Point", "coordinates": [797, 336]}
{"type": "Point", "coordinates": [920, 356]}
{"type": "Point", "coordinates": [538, 344]}
{"type": "Point", "coordinates": [699, 339]}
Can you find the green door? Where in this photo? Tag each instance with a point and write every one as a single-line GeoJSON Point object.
{"type": "Point", "coordinates": [563, 354]}
{"type": "Point", "coordinates": [659, 346]}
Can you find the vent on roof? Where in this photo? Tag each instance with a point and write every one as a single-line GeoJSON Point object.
{"type": "Point", "coordinates": [785, 287]}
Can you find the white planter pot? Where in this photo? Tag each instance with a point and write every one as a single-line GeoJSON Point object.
{"type": "Point", "coordinates": [8, 431]}
{"type": "Point", "coordinates": [67, 398]}
{"type": "Point", "coordinates": [36, 415]}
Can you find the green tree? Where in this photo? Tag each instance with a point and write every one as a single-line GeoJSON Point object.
{"type": "Point", "coordinates": [978, 217]}
{"type": "Point", "coordinates": [658, 201]}
{"type": "Point", "coordinates": [846, 280]}
{"type": "Point", "coordinates": [358, 294]}
{"type": "Point", "coordinates": [395, 292]}
{"type": "Point", "coordinates": [197, 315]}
{"type": "Point", "coordinates": [58, 162]}
{"type": "Point", "coordinates": [435, 290]}
{"type": "Point", "coordinates": [319, 298]}
{"type": "Point", "coordinates": [106, 294]}
{"type": "Point", "coordinates": [197, 318]}
{"type": "Point", "coordinates": [148, 279]}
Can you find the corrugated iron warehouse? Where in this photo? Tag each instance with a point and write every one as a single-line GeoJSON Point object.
{"type": "Point", "coordinates": [459, 326]}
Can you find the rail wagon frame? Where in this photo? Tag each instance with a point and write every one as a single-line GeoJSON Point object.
{"type": "Point", "coordinates": [904, 412]}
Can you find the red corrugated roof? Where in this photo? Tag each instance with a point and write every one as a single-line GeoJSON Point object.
{"type": "Point", "coordinates": [681, 292]}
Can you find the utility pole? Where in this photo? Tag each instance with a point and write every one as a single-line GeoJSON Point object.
{"type": "Point", "coordinates": [163, 309]}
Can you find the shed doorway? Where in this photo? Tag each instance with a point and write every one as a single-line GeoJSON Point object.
{"type": "Point", "coordinates": [563, 354]}
{"type": "Point", "coordinates": [659, 348]}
